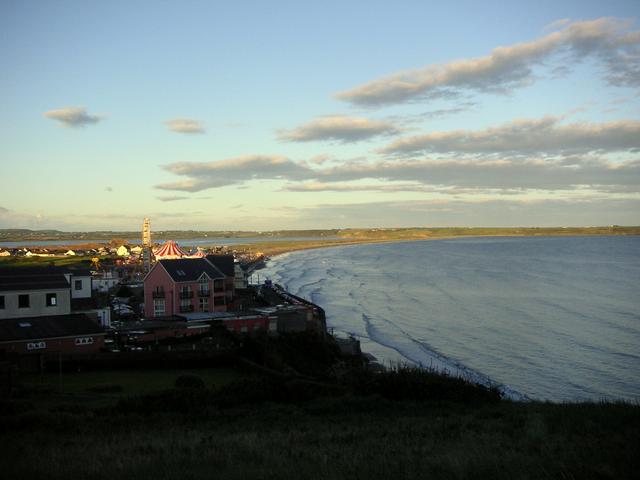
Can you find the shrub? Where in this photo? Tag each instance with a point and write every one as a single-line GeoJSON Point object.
{"type": "Point", "coordinates": [189, 381]}
{"type": "Point", "coordinates": [414, 383]}
{"type": "Point", "coordinates": [105, 389]}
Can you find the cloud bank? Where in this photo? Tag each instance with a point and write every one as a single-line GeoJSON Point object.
{"type": "Point", "coordinates": [338, 128]}
{"type": "Point", "coordinates": [495, 174]}
{"type": "Point", "coordinates": [525, 137]}
{"type": "Point", "coordinates": [501, 174]}
{"type": "Point", "coordinates": [185, 125]}
{"type": "Point", "coordinates": [73, 117]}
{"type": "Point", "coordinates": [201, 176]}
{"type": "Point", "coordinates": [171, 198]}
{"type": "Point", "coordinates": [606, 40]}
{"type": "Point", "coordinates": [472, 213]}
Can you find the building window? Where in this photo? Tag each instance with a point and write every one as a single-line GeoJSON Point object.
{"type": "Point", "coordinates": [218, 301]}
{"type": "Point", "coordinates": [204, 304]}
{"type": "Point", "coordinates": [77, 284]}
{"type": "Point", "coordinates": [36, 345]}
{"type": "Point", "coordinates": [23, 301]}
{"type": "Point", "coordinates": [158, 307]}
{"type": "Point", "coordinates": [158, 292]}
{"type": "Point", "coordinates": [52, 300]}
{"type": "Point", "coordinates": [218, 285]}
{"type": "Point", "coordinates": [203, 286]}
{"type": "Point", "coordinates": [1, 302]}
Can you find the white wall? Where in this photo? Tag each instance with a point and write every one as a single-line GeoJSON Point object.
{"type": "Point", "coordinates": [85, 287]}
{"type": "Point", "coordinates": [37, 303]}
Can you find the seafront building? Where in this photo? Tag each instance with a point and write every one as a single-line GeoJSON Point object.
{"type": "Point", "coordinates": [56, 310]}
{"type": "Point", "coordinates": [180, 286]}
{"type": "Point", "coordinates": [37, 313]}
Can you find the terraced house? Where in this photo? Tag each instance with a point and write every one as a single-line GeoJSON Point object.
{"type": "Point", "coordinates": [36, 312]}
{"type": "Point", "coordinates": [183, 286]}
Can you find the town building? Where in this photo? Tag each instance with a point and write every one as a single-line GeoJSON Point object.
{"type": "Point", "coordinates": [104, 281]}
{"type": "Point", "coordinates": [65, 334]}
{"type": "Point", "coordinates": [80, 282]}
{"type": "Point", "coordinates": [48, 291]}
{"type": "Point", "coordinates": [28, 293]}
{"type": "Point", "coordinates": [175, 287]}
{"type": "Point", "coordinates": [240, 276]}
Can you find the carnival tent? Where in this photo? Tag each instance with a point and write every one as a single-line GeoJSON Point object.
{"type": "Point", "coordinates": [170, 250]}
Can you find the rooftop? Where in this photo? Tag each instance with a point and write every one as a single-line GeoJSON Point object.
{"type": "Point", "coordinates": [32, 328]}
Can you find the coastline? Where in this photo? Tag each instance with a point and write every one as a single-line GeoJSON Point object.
{"type": "Point", "coordinates": [275, 249]}
{"type": "Point", "coordinates": [439, 363]}
{"type": "Point", "coordinates": [280, 241]}
{"type": "Point", "coordinates": [347, 307]}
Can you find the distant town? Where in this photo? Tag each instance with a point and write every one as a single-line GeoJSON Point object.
{"type": "Point", "coordinates": [119, 297]}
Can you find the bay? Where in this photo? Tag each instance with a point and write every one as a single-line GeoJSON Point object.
{"type": "Point", "coordinates": [547, 318]}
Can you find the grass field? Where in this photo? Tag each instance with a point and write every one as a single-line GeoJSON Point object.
{"type": "Point", "coordinates": [103, 388]}
{"type": "Point", "coordinates": [403, 423]}
{"type": "Point", "coordinates": [80, 262]}
{"type": "Point", "coordinates": [327, 438]}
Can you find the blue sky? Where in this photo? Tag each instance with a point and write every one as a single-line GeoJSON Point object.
{"type": "Point", "coordinates": [258, 115]}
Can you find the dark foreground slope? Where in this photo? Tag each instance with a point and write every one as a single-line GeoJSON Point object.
{"type": "Point", "coordinates": [344, 437]}
{"type": "Point", "coordinates": [341, 422]}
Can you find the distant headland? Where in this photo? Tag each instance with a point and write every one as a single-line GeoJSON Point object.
{"type": "Point", "coordinates": [281, 241]}
{"type": "Point", "coordinates": [23, 234]}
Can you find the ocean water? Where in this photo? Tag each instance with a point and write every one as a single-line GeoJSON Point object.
{"type": "Point", "coordinates": [546, 318]}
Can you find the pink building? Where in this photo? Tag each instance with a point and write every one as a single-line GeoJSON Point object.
{"type": "Point", "coordinates": [182, 286]}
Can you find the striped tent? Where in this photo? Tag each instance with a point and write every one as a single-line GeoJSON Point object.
{"type": "Point", "coordinates": [169, 251]}
{"type": "Point", "coordinates": [197, 254]}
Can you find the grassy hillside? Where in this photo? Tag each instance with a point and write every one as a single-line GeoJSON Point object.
{"type": "Point", "coordinates": [179, 434]}
{"type": "Point", "coordinates": [302, 412]}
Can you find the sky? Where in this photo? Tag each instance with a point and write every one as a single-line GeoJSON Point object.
{"type": "Point", "coordinates": [297, 115]}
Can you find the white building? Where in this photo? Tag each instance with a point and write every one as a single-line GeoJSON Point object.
{"type": "Point", "coordinates": [103, 282]}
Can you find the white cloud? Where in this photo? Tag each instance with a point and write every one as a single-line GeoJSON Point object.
{"type": "Point", "coordinates": [338, 128]}
{"type": "Point", "coordinates": [494, 174]}
{"type": "Point", "coordinates": [185, 125]}
{"type": "Point", "coordinates": [545, 136]}
{"type": "Point", "coordinates": [171, 198]}
{"type": "Point", "coordinates": [203, 175]}
{"type": "Point", "coordinates": [506, 68]}
{"type": "Point", "coordinates": [504, 174]}
{"type": "Point", "coordinates": [473, 213]}
{"type": "Point", "coordinates": [393, 187]}
{"type": "Point", "coordinates": [72, 116]}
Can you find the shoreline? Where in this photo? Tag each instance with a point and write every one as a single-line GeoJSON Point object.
{"type": "Point", "coordinates": [344, 236]}
{"type": "Point", "coordinates": [509, 391]}
{"type": "Point", "coordinates": [271, 249]}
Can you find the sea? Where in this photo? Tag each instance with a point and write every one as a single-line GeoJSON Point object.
{"type": "Point", "coordinates": [543, 318]}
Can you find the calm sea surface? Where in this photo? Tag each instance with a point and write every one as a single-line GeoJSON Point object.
{"type": "Point", "coordinates": [554, 318]}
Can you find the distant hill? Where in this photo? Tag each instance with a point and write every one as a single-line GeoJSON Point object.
{"type": "Point", "coordinates": [23, 234]}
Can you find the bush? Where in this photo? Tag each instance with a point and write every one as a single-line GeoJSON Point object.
{"type": "Point", "coordinates": [189, 381]}
{"type": "Point", "coordinates": [105, 389]}
{"type": "Point", "coordinates": [418, 384]}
